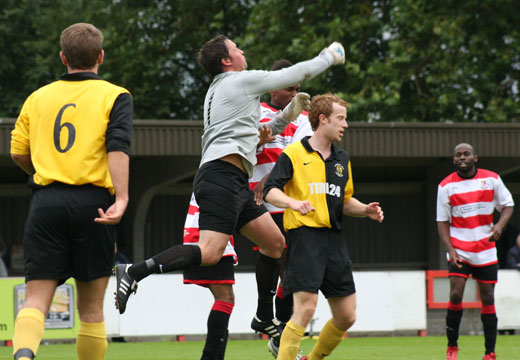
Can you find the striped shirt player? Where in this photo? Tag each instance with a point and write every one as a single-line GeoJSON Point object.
{"type": "Point", "coordinates": [468, 204]}
{"type": "Point", "coordinates": [207, 274]}
{"type": "Point", "coordinates": [219, 279]}
{"type": "Point", "coordinates": [267, 154]}
{"type": "Point", "coordinates": [466, 201]}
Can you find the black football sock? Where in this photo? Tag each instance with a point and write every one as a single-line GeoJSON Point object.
{"type": "Point", "coordinates": [489, 323]}
{"type": "Point", "coordinates": [453, 319]}
{"type": "Point", "coordinates": [216, 340]}
{"type": "Point", "coordinates": [175, 258]}
{"type": "Point", "coordinates": [267, 270]}
{"type": "Point", "coordinates": [221, 351]}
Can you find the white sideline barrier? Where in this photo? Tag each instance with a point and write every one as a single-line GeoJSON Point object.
{"type": "Point", "coordinates": [163, 305]}
{"type": "Point", "coordinates": [507, 299]}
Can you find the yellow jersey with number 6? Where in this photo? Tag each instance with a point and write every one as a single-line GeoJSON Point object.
{"type": "Point", "coordinates": [62, 126]}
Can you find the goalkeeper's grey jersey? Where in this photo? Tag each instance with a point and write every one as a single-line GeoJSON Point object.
{"type": "Point", "coordinates": [232, 107]}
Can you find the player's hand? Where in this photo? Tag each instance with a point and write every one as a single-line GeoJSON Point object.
{"type": "Point", "coordinates": [265, 135]}
{"type": "Point", "coordinates": [496, 233]}
{"type": "Point", "coordinates": [258, 192]}
{"type": "Point", "coordinates": [300, 102]}
{"type": "Point", "coordinates": [336, 52]}
{"type": "Point", "coordinates": [454, 257]}
{"type": "Point", "coordinates": [375, 212]}
{"type": "Point", "coordinates": [303, 207]}
{"type": "Point", "coordinates": [114, 213]}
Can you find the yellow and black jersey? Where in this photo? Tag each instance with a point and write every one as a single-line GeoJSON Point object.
{"type": "Point", "coordinates": [69, 126]}
{"type": "Point", "coordinates": [302, 174]}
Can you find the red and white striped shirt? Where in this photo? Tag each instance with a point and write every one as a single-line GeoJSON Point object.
{"type": "Point", "coordinates": [267, 154]}
{"type": "Point", "coordinates": [468, 205]}
{"type": "Point", "coordinates": [191, 230]}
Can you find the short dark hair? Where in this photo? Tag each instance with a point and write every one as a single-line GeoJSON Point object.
{"type": "Point", "coordinates": [465, 144]}
{"type": "Point", "coordinates": [211, 53]}
{"type": "Point", "coordinates": [81, 43]}
{"type": "Point", "coordinates": [280, 64]}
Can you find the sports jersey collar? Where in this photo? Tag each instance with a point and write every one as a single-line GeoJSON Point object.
{"type": "Point", "coordinates": [308, 147]}
{"type": "Point", "coordinates": [467, 177]}
{"type": "Point", "coordinates": [79, 76]}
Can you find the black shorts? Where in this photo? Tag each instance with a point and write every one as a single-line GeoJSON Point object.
{"type": "Point", "coordinates": [225, 201]}
{"type": "Point", "coordinates": [483, 274]}
{"type": "Point", "coordinates": [318, 259]}
{"type": "Point", "coordinates": [61, 239]}
{"type": "Point", "coordinates": [220, 273]}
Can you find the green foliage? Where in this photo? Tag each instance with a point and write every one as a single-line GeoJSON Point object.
{"type": "Point", "coordinates": [407, 60]}
{"type": "Point", "coordinates": [152, 50]}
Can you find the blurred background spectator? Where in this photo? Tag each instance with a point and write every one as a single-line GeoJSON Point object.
{"type": "Point", "coordinates": [513, 255]}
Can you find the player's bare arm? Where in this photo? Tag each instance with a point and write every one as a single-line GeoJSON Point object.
{"type": "Point", "coordinates": [278, 198]}
{"type": "Point", "coordinates": [118, 165]}
{"type": "Point", "coordinates": [354, 207]}
{"type": "Point", "coordinates": [498, 228]}
{"type": "Point", "coordinates": [24, 162]}
{"type": "Point", "coordinates": [444, 233]}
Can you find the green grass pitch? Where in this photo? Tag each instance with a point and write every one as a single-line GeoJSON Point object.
{"type": "Point", "coordinates": [358, 348]}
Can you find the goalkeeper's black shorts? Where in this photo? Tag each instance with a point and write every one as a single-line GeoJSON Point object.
{"type": "Point", "coordinates": [318, 259]}
{"type": "Point", "coordinates": [225, 201]}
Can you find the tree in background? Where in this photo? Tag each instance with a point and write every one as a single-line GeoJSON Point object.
{"type": "Point", "coordinates": [407, 60]}
{"type": "Point", "coordinates": [151, 48]}
{"type": "Point", "coordinates": [153, 51]}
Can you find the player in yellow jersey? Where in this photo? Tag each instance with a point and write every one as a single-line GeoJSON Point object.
{"type": "Point", "coordinates": [312, 180]}
{"type": "Point", "coordinates": [73, 139]}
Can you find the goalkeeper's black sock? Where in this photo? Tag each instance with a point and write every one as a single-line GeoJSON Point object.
{"type": "Point", "coordinates": [489, 323]}
{"type": "Point", "coordinates": [453, 319]}
{"type": "Point", "coordinates": [267, 270]}
{"type": "Point", "coordinates": [175, 258]}
{"type": "Point", "coordinates": [216, 340]}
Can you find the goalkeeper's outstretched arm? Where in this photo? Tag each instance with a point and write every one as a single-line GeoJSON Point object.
{"type": "Point", "coordinates": [260, 82]}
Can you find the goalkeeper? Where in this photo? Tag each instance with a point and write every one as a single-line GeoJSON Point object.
{"type": "Point", "coordinates": [231, 123]}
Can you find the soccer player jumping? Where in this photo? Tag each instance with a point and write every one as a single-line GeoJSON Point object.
{"type": "Point", "coordinates": [231, 123]}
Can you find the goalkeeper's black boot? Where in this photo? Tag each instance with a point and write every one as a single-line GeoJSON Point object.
{"type": "Point", "coordinates": [125, 285]}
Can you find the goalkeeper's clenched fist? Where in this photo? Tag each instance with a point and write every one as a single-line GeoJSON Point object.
{"type": "Point", "coordinates": [336, 52]}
